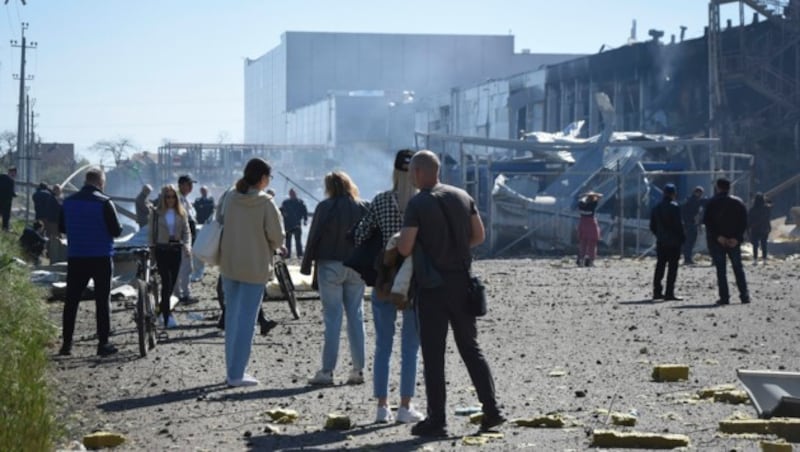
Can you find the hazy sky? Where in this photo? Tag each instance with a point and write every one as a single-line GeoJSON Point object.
{"type": "Point", "coordinates": [150, 70]}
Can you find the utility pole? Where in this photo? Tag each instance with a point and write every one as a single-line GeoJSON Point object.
{"type": "Point", "coordinates": [24, 45]}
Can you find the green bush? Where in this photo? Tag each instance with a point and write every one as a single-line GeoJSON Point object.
{"type": "Point", "coordinates": [27, 420]}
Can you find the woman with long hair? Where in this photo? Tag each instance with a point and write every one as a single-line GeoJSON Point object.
{"type": "Point", "coordinates": [759, 225]}
{"type": "Point", "coordinates": [588, 229]}
{"type": "Point", "coordinates": [252, 231]}
{"type": "Point", "coordinates": [385, 217]}
{"type": "Point", "coordinates": [341, 289]}
{"type": "Point", "coordinates": [169, 234]}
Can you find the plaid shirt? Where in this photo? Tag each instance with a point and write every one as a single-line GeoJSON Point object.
{"type": "Point", "coordinates": [384, 215]}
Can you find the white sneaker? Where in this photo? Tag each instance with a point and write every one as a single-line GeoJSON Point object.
{"type": "Point", "coordinates": [356, 377]}
{"type": "Point", "coordinates": [322, 378]}
{"type": "Point", "coordinates": [409, 415]}
{"type": "Point", "coordinates": [384, 415]}
{"type": "Point", "coordinates": [246, 380]}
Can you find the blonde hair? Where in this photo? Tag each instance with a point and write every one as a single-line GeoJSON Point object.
{"type": "Point", "coordinates": [405, 190]}
{"type": "Point", "coordinates": [338, 183]}
{"type": "Point", "coordinates": [162, 200]}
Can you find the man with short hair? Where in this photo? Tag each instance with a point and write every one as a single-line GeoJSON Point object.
{"type": "Point", "coordinates": [690, 210]}
{"type": "Point", "coordinates": [444, 223]}
{"type": "Point", "coordinates": [204, 206]}
{"type": "Point", "coordinates": [185, 186]}
{"type": "Point", "coordinates": [143, 205]}
{"type": "Point", "coordinates": [666, 225]}
{"type": "Point", "coordinates": [294, 213]}
{"type": "Point", "coordinates": [52, 213]}
{"type": "Point", "coordinates": [90, 221]}
{"type": "Point", "coordinates": [41, 199]}
{"type": "Point", "coordinates": [7, 194]}
{"type": "Point", "coordinates": [726, 221]}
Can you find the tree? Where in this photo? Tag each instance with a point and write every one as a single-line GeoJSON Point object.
{"type": "Point", "coordinates": [119, 148]}
{"type": "Point", "coordinates": [8, 144]}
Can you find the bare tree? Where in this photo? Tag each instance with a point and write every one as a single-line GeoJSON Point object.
{"type": "Point", "coordinates": [8, 144]}
{"type": "Point", "coordinates": [119, 148]}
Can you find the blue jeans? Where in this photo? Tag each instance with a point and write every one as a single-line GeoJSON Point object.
{"type": "Point", "coordinates": [242, 301]}
{"type": "Point", "coordinates": [342, 292]}
{"type": "Point", "coordinates": [385, 314]}
{"type": "Point", "coordinates": [719, 256]}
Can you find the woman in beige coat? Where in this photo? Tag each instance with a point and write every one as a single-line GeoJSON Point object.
{"type": "Point", "coordinates": [169, 234]}
{"type": "Point", "coordinates": [252, 231]}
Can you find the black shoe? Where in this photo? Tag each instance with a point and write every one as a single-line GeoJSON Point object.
{"type": "Point", "coordinates": [267, 326]}
{"type": "Point", "coordinates": [672, 298]}
{"type": "Point", "coordinates": [746, 301]}
{"type": "Point", "coordinates": [65, 350]}
{"type": "Point", "coordinates": [658, 296]}
{"type": "Point", "coordinates": [722, 302]}
{"type": "Point", "coordinates": [428, 428]}
{"type": "Point", "coordinates": [490, 422]}
{"type": "Point", "coordinates": [106, 349]}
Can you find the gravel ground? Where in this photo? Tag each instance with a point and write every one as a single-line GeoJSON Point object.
{"type": "Point", "coordinates": [559, 339]}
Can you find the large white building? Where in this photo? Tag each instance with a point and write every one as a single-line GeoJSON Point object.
{"type": "Point", "coordinates": [361, 90]}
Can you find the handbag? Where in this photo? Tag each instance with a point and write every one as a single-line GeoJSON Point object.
{"type": "Point", "coordinates": [477, 296]}
{"type": "Point", "coordinates": [477, 303]}
{"type": "Point", "coordinates": [207, 244]}
{"type": "Point", "coordinates": [364, 257]}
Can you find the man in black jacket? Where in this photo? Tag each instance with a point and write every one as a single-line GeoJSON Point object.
{"type": "Point", "coordinates": [7, 194]}
{"type": "Point", "coordinates": [726, 221]}
{"type": "Point", "coordinates": [691, 211]}
{"type": "Point", "coordinates": [666, 225]}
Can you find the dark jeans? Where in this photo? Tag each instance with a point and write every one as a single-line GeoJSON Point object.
{"type": "Point", "coordinates": [5, 212]}
{"type": "Point", "coordinates": [688, 245]}
{"type": "Point", "coordinates": [757, 240]}
{"type": "Point", "coordinates": [297, 233]}
{"type": "Point", "coordinates": [668, 257]}
{"type": "Point", "coordinates": [719, 255]}
{"type": "Point", "coordinates": [168, 261]}
{"type": "Point", "coordinates": [437, 309]}
{"type": "Point", "coordinates": [79, 271]}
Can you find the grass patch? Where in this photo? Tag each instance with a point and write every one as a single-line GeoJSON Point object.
{"type": "Point", "coordinates": [27, 420]}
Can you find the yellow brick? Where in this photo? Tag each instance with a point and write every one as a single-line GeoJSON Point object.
{"type": "Point", "coordinates": [611, 438]}
{"type": "Point", "coordinates": [670, 372]}
{"type": "Point", "coordinates": [101, 440]}
{"type": "Point", "coordinates": [549, 421]}
{"type": "Point", "coordinates": [759, 426]}
{"type": "Point", "coordinates": [623, 419]}
{"type": "Point", "coordinates": [775, 446]}
{"type": "Point", "coordinates": [337, 422]}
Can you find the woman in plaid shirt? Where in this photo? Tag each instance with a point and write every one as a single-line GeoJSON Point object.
{"type": "Point", "coordinates": [385, 217]}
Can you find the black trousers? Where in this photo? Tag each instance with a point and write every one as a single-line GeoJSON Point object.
{"type": "Point", "coordinates": [668, 257]}
{"type": "Point", "coordinates": [79, 271]}
{"type": "Point", "coordinates": [297, 234]}
{"type": "Point", "coordinates": [438, 309]}
{"type": "Point", "coordinates": [168, 261]}
{"type": "Point", "coordinates": [5, 212]}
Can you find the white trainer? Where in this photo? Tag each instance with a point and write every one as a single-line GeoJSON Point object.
{"type": "Point", "coordinates": [356, 377]}
{"type": "Point", "coordinates": [321, 378]}
{"type": "Point", "coordinates": [246, 380]}
{"type": "Point", "coordinates": [409, 415]}
{"type": "Point", "coordinates": [384, 415]}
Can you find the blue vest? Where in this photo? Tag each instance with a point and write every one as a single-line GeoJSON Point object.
{"type": "Point", "coordinates": [85, 223]}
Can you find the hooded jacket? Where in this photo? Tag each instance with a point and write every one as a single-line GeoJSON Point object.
{"type": "Point", "coordinates": [252, 229]}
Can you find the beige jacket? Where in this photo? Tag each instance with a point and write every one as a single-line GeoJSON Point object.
{"type": "Point", "coordinates": [160, 233]}
{"type": "Point", "coordinates": [252, 229]}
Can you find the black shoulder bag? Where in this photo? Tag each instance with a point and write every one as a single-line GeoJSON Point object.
{"type": "Point", "coordinates": [476, 292]}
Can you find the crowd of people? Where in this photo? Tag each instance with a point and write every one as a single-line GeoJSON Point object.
{"type": "Point", "coordinates": [422, 223]}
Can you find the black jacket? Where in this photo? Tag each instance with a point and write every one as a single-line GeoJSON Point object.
{"type": "Point", "coordinates": [666, 224]}
{"type": "Point", "coordinates": [725, 216]}
{"type": "Point", "coordinates": [334, 219]}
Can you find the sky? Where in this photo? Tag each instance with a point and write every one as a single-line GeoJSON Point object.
{"type": "Point", "coordinates": [156, 70]}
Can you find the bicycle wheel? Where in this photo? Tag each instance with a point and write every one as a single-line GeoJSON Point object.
{"type": "Point", "coordinates": [287, 287]}
{"type": "Point", "coordinates": [141, 316]}
{"type": "Point", "coordinates": [152, 317]}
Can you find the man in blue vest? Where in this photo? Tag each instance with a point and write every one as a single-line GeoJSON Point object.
{"type": "Point", "coordinates": [89, 219]}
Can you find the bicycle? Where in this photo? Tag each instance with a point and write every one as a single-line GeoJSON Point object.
{"type": "Point", "coordinates": [147, 293]}
{"type": "Point", "coordinates": [285, 282]}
